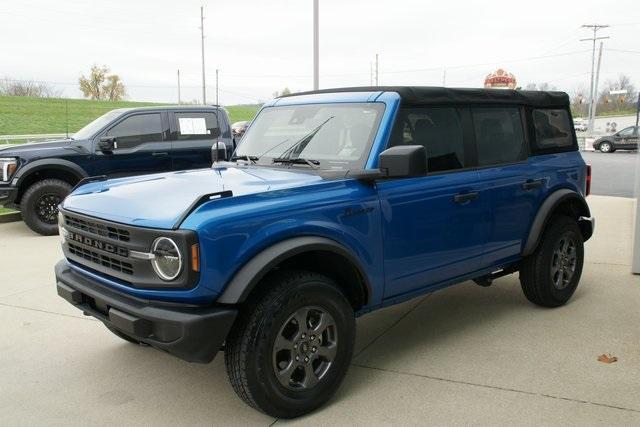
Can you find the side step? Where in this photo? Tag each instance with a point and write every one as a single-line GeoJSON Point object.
{"type": "Point", "coordinates": [486, 280]}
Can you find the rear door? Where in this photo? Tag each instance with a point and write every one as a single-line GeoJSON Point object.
{"type": "Point", "coordinates": [193, 134]}
{"type": "Point", "coordinates": [142, 145]}
{"type": "Point", "coordinates": [435, 226]}
{"type": "Point", "coordinates": [505, 175]}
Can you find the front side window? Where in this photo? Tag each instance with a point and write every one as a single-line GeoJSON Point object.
{"type": "Point", "coordinates": [196, 126]}
{"type": "Point", "coordinates": [552, 129]}
{"type": "Point", "coordinates": [136, 130]}
{"type": "Point", "coordinates": [438, 129]}
{"type": "Point", "coordinates": [332, 136]}
{"type": "Point", "coordinates": [499, 135]}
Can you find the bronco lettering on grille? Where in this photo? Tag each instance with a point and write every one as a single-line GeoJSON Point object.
{"type": "Point", "coordinates": [103, 246]}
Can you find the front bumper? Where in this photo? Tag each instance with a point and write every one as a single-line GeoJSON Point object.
{"type": "Point", "coordinates": [192, 333]}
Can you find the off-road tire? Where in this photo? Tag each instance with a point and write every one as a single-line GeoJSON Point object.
{"type": "Point", "coordinates": [536, 277]}
{"type": "Point", "coordinates": [54, 189]}
{"type": "Point", "coordinates": [249, 351]}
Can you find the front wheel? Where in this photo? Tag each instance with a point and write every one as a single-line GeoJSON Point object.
{"type": "Point", "coordinates": [606, 147]}
{"type": "Point", "coordinates": [291, 345]}
{"type": "Point", "coordinates": [39, 205]}
{"type": "Point", "coordinates": [550, 275]}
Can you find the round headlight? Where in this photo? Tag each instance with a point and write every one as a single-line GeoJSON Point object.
{"type": "Point", "coordinates": [167, 262]}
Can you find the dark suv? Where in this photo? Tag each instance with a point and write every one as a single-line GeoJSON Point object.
{"type": "Point", "coordinates": [337, 203]}
{"type": "Point", "coordinates": [35, 178]}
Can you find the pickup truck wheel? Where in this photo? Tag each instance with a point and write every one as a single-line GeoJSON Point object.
{"type": "Point", "coordinates": [550, 275]}
{"type": "Point", "coordinates": [292, 344]}
{"type": "Point", "coordinates": [39, 205]}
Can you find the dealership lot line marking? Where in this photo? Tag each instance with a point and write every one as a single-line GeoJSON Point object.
{"type": "Point", "coordinates": [493, 387]}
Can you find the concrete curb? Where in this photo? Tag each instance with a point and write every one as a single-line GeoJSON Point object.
{"type": "Point", "coordinates": [10, 217]}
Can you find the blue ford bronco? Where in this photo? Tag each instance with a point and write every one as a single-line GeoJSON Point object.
{"type": "Point", "coordinates": [336, 203]}
{"type": "Point", "coordinates": [35, 178]}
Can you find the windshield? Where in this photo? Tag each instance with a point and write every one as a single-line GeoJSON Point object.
{"type": "Point", "coordinates": [335, 136]}
{"type": "Point", "coordinates": [89, 130]}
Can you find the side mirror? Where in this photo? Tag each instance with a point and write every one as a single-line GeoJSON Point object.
{"type": "Point", "coordinates": [107, 144]}
{"type": "Point", "coordinates": [403, 161]}
{"type": "Point", "coordinates": [218, 151]}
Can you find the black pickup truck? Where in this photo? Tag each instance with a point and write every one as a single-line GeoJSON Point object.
{"type": "Point", "coordinates": [35, 178]}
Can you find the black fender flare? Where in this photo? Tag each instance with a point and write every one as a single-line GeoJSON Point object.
{"type": "Point", "coordinates": [57, 164]}
{"type": "Point", "coordinates": [250, 274]}
{"type": "Point", "coordinates": [546, 210]}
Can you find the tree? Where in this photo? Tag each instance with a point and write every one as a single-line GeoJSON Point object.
{"type": "Point", "coordinates": [608, 102]}
{"type": "Point", "coordinates": [102, 85]}
{"type": "Point", "coordinates": [285, 91]}
{"type": "Point", "coordinates": [540, 86]}
{"type": "Point", "coordinates": [13, 87]}
{"type": "Point", "coordinates": [114, 89]}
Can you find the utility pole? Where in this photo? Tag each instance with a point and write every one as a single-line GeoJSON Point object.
{"type": "Point", "coordinates": [638, 109]}
{"type": "Point", "coordinates": [316, 46]}
{"type": "Point", "coordinates": [444, 77]}
{"type": "Point", "coordinates": [592, 118]}
{"type": "Point", "coordinates": [204, 90]}
{"type": "Point", "coordinates": [179, 102]}
{"type": "Point", "coordinates": [377, 81]}
{"type": "Point", "coordinates": [370, 73]}
{"type": "Point", "coordinates": [594, 28]}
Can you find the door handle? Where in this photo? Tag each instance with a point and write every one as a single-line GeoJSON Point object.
{"type": "Point", "coordinates": [159, 153]}
{"type": "Point", "coordinates": [465, 197]}
{"type": "Point", "coordinates": [530, 184]}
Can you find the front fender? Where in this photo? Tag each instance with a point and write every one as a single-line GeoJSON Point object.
{"type": "Point", "coordinates": [56, 164]}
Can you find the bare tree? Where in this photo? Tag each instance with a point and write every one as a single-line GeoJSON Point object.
{"type": "Point", "coordinates": [608, 102]}
{"type": "Point", "coordinates": [102, 85]}
{"type": "Point", "coordinates": [540, 86]}
{"type": "Point", "coordinates": [14, 87]}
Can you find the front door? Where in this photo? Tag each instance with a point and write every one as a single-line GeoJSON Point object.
{"type": "Point", "coordinates": [141, 146]}
{"type": "Point", "coordinates": [627, 138]}
{"type": "Point", "coordinates": [434, 227]}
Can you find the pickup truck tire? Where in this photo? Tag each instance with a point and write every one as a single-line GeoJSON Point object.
{"type": "Point", "coordinates": [276, 363]}
{"type": "Point", "coordinates": [39, 205]}
{"type": "Point", "coordinates": [550, 275]}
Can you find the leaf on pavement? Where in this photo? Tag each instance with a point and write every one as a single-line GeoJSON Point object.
{"type": "Point", "coordinates": [607, 358]}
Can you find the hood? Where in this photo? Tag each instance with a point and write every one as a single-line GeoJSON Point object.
{"type": "Point", "coordinates": [16, 149]}
{"type": "Point", "coordinates": [159, 200]}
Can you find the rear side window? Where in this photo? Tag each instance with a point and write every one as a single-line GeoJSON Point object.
{"type": "Point", "coordinates": [138, 129]}
{"type": "Point", "coordinates": [438, 129]}
{"type": "Point", "coordinates": [552, 129]}
{"type": "Point", "coordinates": [499, 135]}
{"type": "Point", "coordinates": [196, 126]}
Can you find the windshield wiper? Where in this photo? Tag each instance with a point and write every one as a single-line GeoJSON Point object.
{"type": "Point", "coordinates": [252, 159]}
{"type": "Point", "coordinates": [297, 161]}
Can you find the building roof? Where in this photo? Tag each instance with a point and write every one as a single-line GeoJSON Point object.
{"type": "Point", "coordinates": [427, 95]}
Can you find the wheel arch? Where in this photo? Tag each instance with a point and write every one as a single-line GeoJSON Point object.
{"type": "Point", "coordinates": [563, 201]}
{"type": "Point", "coordinates": [47, 169]}
{"type": "Point", "coordinates": [318, 254]}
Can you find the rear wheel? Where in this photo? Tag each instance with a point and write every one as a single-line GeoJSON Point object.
{"type": "Point", "coordinates": [291, 345]}
{"type": "Point", "coordinates": [39, 205]}
{"type": "Point", "coordinates": [550, 275]}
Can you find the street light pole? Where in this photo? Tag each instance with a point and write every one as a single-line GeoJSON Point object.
{"type": "Point", "coordinates": [594, 28]}
{"type": "Point", "coordinates": [316, 46]}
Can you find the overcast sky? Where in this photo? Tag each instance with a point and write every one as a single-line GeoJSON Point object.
{"type": "Point", "coordinates": [263, 46]}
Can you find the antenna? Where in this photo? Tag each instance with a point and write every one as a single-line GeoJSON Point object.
{"type": "Point", "coordinates": [66, 114]}
{"type": "Point", "coordinates": [218, 122]}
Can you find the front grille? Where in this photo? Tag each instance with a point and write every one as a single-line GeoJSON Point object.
{"type": "Point", "coordinates": [95, 228]}
{"type": "Point", "coordinates": [103, 260]}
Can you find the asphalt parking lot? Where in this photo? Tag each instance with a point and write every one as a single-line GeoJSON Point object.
{"type": "Point", "coordinates": [613, 174]}
{"type": "Point", "coordinates": [460, 356]}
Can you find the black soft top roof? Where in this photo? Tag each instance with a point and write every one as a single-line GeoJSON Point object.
{"type": "Point", "coordinates": [427, 95]}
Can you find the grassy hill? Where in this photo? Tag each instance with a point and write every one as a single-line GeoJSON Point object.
{"type": "Point", "coordinates": [25, 115]}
